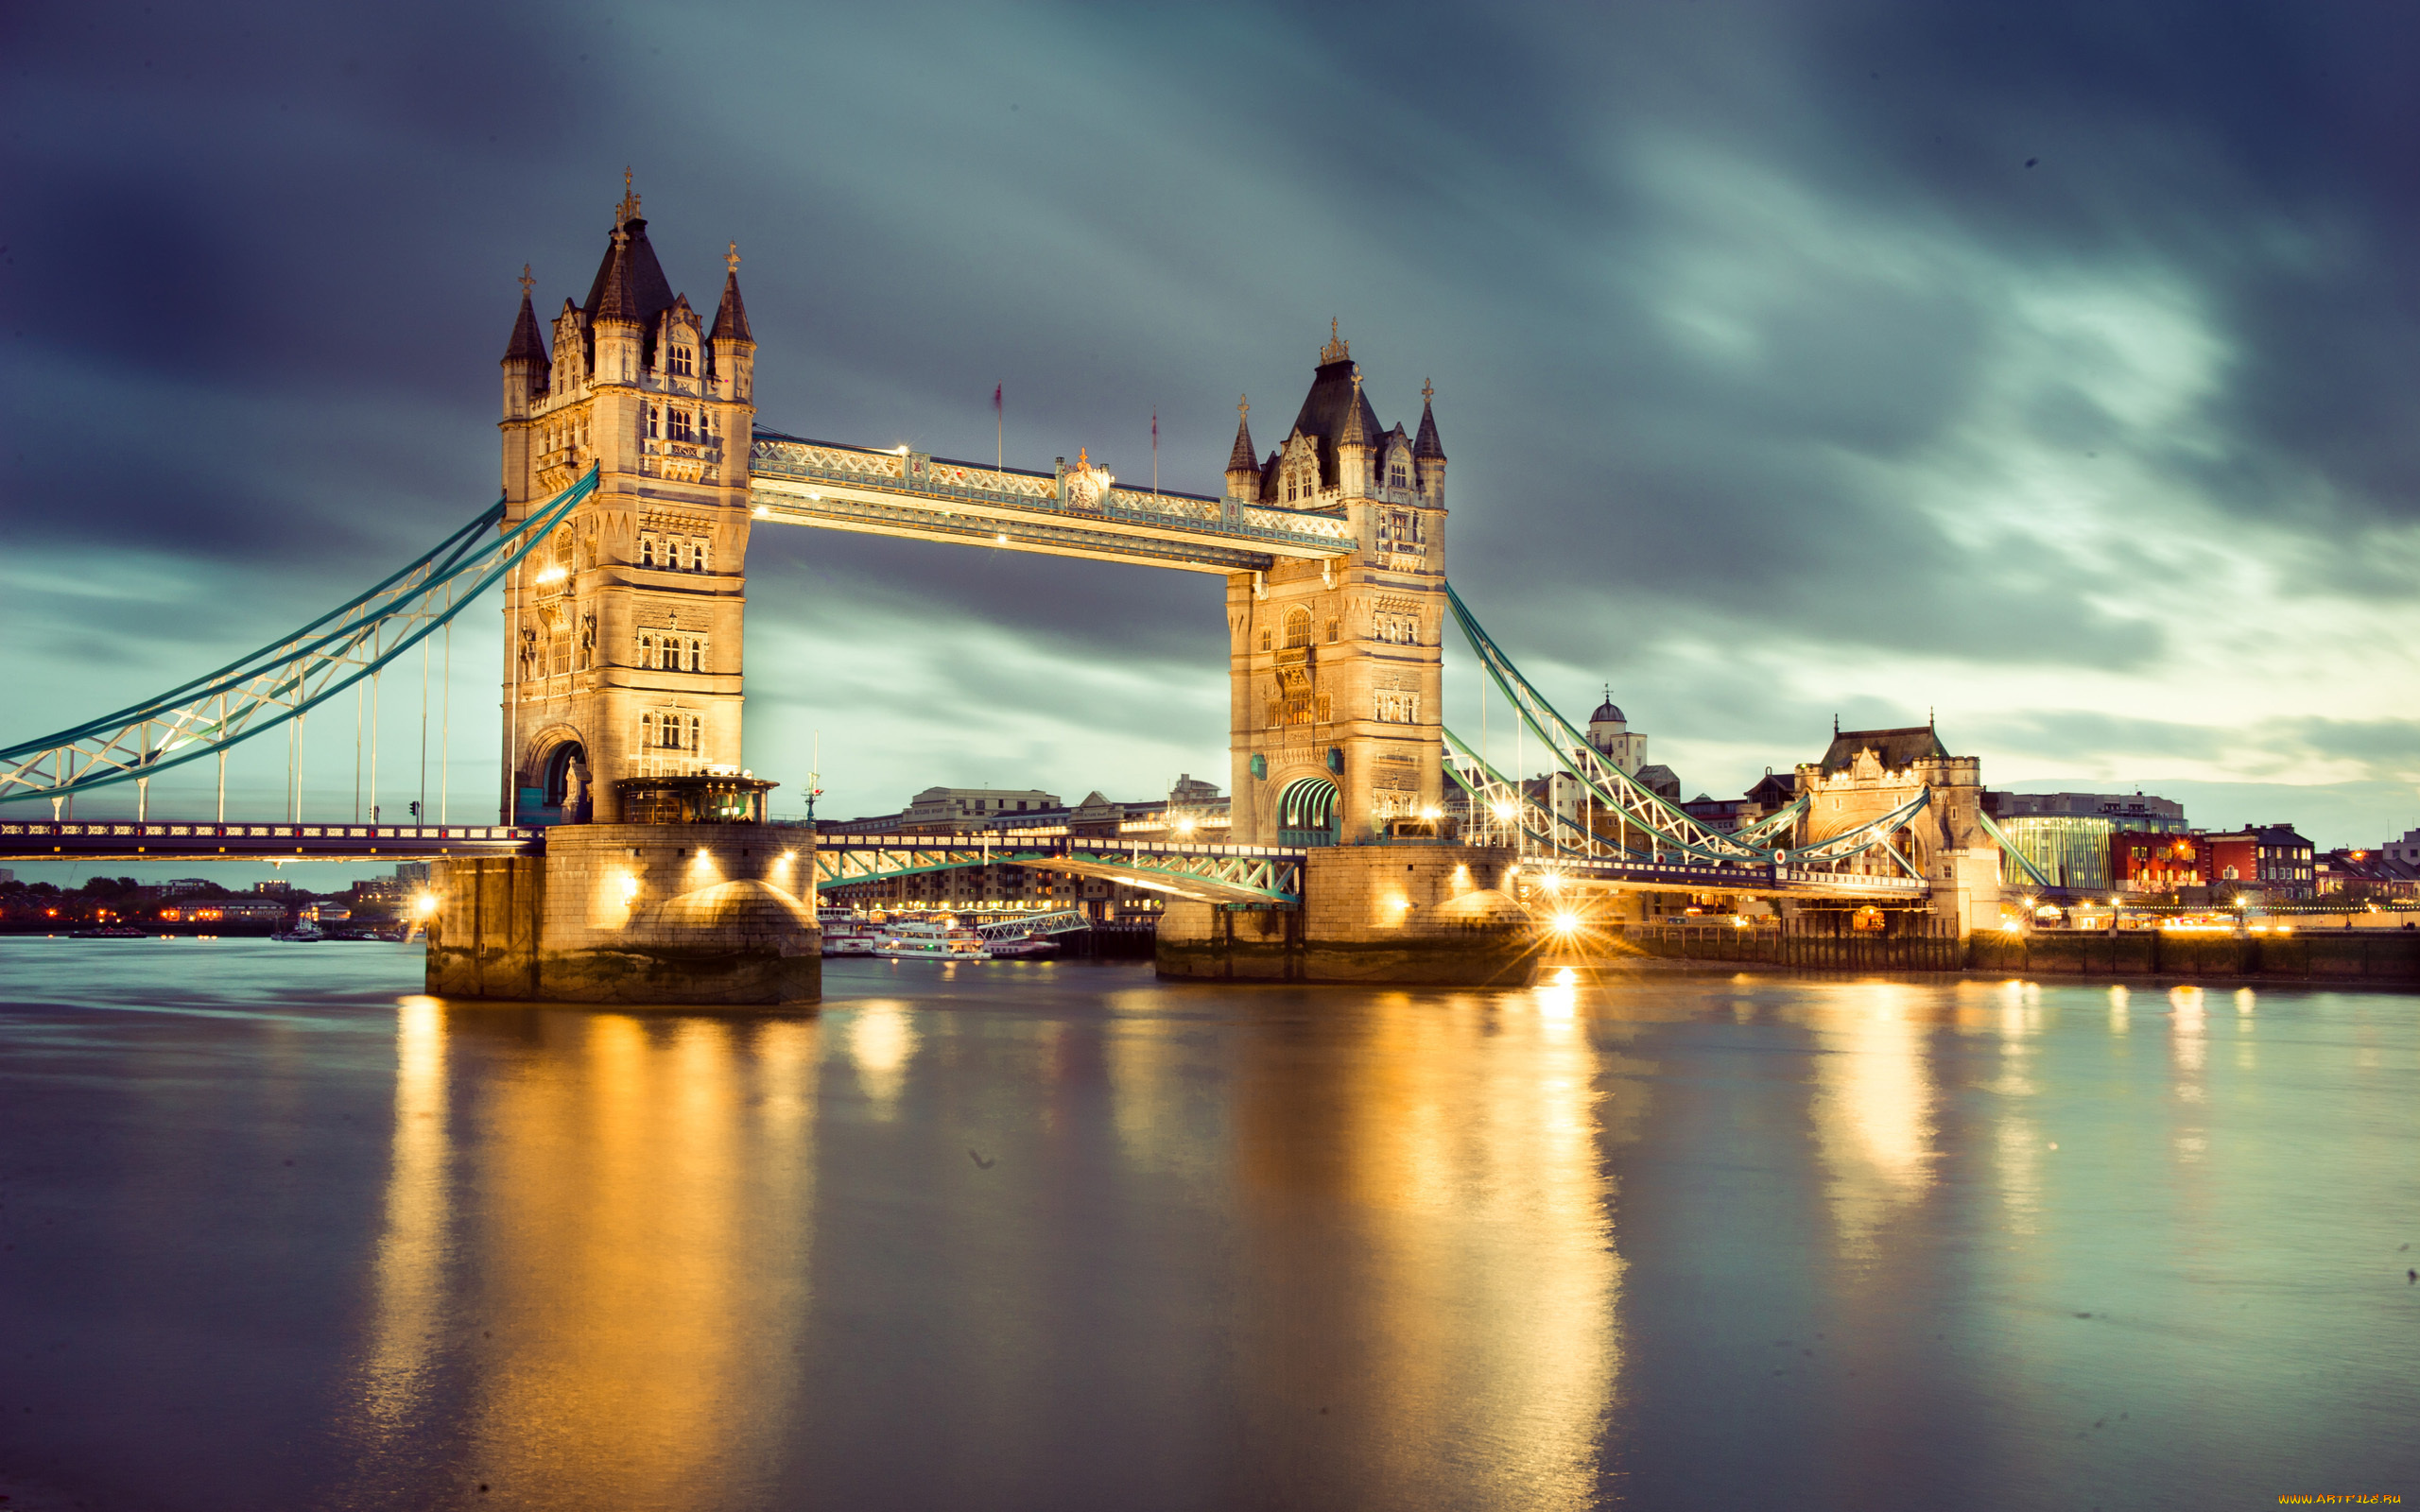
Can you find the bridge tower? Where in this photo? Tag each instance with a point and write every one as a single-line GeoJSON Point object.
{"type": "Point", "coordinates": [1335, 667]}
{"type": "Point", "coordinates": [622, 634]}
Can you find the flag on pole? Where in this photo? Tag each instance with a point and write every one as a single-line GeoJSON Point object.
{"type": "Point", "coordinates": [999, 431]}
{"type": "Point", "coordinates": [1155, 449]}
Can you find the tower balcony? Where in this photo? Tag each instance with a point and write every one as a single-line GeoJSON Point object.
{"type": "Point", "coordinates": [680, 461]}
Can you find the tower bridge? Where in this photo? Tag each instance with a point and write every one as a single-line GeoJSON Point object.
{"type": "Point", "coordinates": [635, 860]}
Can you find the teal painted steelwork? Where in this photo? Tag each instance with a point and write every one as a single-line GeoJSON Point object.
{"type": "Point", "coordinates": [290, 676]}
{"type": "Point", "coordinates": [2008, 848]}
{"type": "Point", "coordinates": [1214, 873]}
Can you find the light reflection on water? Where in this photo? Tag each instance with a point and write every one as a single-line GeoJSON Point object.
{"type": "Point", "coordinates": [1081, 1238]}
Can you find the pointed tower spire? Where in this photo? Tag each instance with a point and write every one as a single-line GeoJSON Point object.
{"type": "Point", "coordinates": [528, 344]}
{"type": "Point", "coordinates": [1427, 444]}
{"type": "Point", "coordinates": [618, 301]}
{"type": "Point", "coordinates": [1239, 459]}
{"type": "Point", "coordinates": [731, 317]}
{"type": "Point", "coordinates": [1356, 431]}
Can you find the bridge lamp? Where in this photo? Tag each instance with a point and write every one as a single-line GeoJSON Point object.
{"type": "Point", "coordinates": [553, 575]}
{"type": "Point", "coordinates": [629, 889]}
{"type": "Point", "coordinates": [1002, 538]}
{"type": "Point", "coordinates": [1567, 923]}
{"type": "Point", "coordinates": [1550, 881]}
{"type": "Point", "coordinates": [425, 904]}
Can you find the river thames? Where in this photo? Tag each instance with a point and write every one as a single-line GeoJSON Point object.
{"type": "Point", "coordinates": [280, 1234]}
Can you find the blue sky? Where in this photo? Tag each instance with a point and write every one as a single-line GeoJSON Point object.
{"type": "Point", "coordinates": [2049, 367]}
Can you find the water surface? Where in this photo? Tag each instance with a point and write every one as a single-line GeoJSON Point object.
{"type": "Point", "coordinates": [280, 1234]}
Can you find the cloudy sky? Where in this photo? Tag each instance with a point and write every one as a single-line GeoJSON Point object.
{"type": "Point", "coordinates": [2054, 368]}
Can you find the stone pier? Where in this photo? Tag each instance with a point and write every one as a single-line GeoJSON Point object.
{"type": "Point", "coordinates": [1408, 915]}
{"type": "Point", "coordinates": [687, 911]}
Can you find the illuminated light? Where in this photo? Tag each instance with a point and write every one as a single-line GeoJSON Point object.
{"type": "Point", "coordinates": [1567, 923]}
{"type": "Point", "coordinates": [1564, 976]}
{"type": "Point", "coordinates": [553, 575]}
{"type": "Point", "coordinates": [2014, 927]}
{"type": "Point", "coordinates": [1432, 814]}
{"type": "Point", "coordinates": [1002, 538]}
{"type": "Point", "coordinates": [1740, 920]}
{"type": "Point", "coordinates": [629, 888]}
{"type": "Point", "coordinates": [425, 904]}
{"type": "Point", "coordinates": [1550, 881]}
{"type": "Point", "coordinates": [762, 511]}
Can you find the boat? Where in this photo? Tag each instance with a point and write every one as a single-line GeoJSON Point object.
{"type": "Point", "coordinates": [929, 939]}
{"type": "Point", "coordinates": [305, 931]}
{"type": "Point", "coordinates": [846, 932]}
{"type": "Point", "coordinates": [107, 931]}
{"type": "Point", "coordinates": [1020, 947]}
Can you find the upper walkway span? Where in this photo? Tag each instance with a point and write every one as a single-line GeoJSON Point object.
{"type": "Point", "coordinates": [1078, 511]}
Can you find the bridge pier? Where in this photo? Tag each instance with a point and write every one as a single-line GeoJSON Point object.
{"type": "Point", "coordinates": [686, 912]}
{"type": "Point", "coordinates": [1383, 914]}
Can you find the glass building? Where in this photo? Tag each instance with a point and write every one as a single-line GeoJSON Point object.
{"type": "Point", "coordinates": [2067, 835]}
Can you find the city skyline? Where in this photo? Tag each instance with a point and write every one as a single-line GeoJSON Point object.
{"type": "Point", "coordinates": [1790, 365]}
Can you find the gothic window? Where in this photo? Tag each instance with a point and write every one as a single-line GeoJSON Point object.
{"type": "Point", "coordinates": [647, 550]}
{"type": "Point", "coordinates": [1394, 706]}
{"type": "Point", "coordinates": [1334, 631]}
{"type": "Point", "coordinates": [1264, 640]}
{"type": "Point", "coordinates": [697, 727]}
{"type": "Point", "coordinates": [1298, 628]}
{"type": "Point", "coordinates": [698, 555]}
{"type": "Point", "coordinates": [648, 732]}
{"type": "Point", "coordinates": [684, 362]}
{"type": "Point", "coordinates": [647, 649]}
{"type": "Point", "coordinates": [680, 561]}
{"type": "Point", "coordinates": [1395, 478]}
{"type": "Point", "coordinates": [654, 414]}
{"type": "Point", "coordinates": [676, 425]}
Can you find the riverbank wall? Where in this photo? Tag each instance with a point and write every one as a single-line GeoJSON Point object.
{"type": "Point", "coordinates": [2374, 957]}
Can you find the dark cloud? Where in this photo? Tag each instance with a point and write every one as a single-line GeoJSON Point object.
{"type": "Point", "coordinates": [1755, 334]}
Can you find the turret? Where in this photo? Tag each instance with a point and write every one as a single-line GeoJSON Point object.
{"type": "Point", "coordinates": [617, 321]}
{"type": "Point", "coordinates": [1428, 452]}
{"type": "Point", "coordinates": [735, 348]}
{"type": "Point", "coordinates": [1356, 446]}
{"type": "Point", "coordinates": [525, 367]}
{"type": "Point", "coordinates": [1243, 474]}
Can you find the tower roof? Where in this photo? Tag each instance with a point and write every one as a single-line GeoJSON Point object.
{"type": "Point", "coordinates": [1428, 444]}
{"type": "Point", "coordinates": [1897, 749]}
{"type": "Point", "coordinates": [644, 292]}
{"type": "Point", "coordinates": [1239, 459]}
{"type": "Point", "coordinates": [528, 344]}
{"type": "Point", "coordinates": [1333, 399]}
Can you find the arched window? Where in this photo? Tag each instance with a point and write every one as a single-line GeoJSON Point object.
{"type": "Point", "coordinates": [1334, 631]}
{"type": "Point", "coordinates": [1298, 627]}
{"type": "Point", "coordinates": [697, 728]}
{"type": "Point", "coordinates": [647, 649]}
{"type": "Point", "coordinates": [647, 732]}
{"type": "Point", "coordinates": [646, 551]}
{"type": "Point", "coordinates": [1264, 640]}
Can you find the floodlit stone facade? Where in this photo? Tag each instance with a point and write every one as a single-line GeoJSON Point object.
{"type": "Point", "coordinates": [623, 630]}
{"type": "Point", "coordinates": [1335, 667]}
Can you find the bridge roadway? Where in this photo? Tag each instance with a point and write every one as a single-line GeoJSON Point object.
{"type": "Point", "coordinates": [1754, 879]}
{"type": "Point", "coordinates": [1078, 513]}
{"type": "Point", "coordinates": [1203, 871]}
{"type": "Point", "coordinates": [24, 840]}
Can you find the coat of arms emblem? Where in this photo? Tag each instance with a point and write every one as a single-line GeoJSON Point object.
{"type": "Point", "coordinates": [1087, 485]}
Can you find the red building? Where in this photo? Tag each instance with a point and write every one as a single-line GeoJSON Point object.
{"type": "Point", "coordinates": [2143, 862]}
{"type": "Point", "coordinates": [2265, 858]}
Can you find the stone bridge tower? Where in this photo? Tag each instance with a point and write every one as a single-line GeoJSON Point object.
{"type": "Point", "coordinates": [622, 632]}
{"type": "Point", "coordinates": [1335, 667]}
